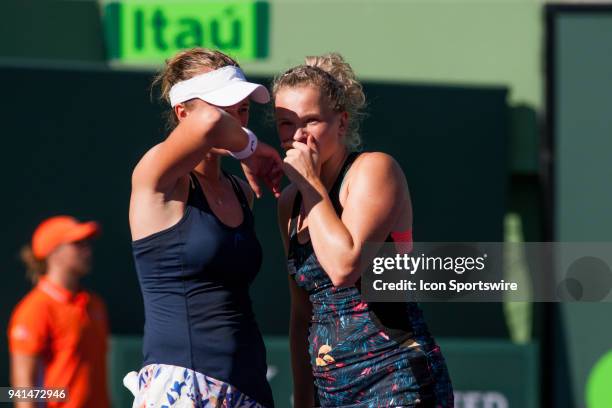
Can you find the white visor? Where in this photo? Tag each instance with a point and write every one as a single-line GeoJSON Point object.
{"type": "Point", "coordinates": [222, 87]}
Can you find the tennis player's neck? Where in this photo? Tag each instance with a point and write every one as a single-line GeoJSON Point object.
{"type": "Point", "coordinates": [209, 169]}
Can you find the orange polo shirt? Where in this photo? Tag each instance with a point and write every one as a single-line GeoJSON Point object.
{"type": "Point", "coordinates": [69, 331]}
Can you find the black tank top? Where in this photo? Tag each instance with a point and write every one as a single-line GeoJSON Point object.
{"type": "Point", "coordinates": [195, 278]}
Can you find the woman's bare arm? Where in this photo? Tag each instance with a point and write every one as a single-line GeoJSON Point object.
{"type": "Point", "coordinates": [376, 198]}
{"type": "Point", "coordinates": [202, 129]}
{"type": "Point", "coordinates": [301, 312]}
{"type": "Point", "coordinates": [160, 182]}
{"type": "Point", "coordinates": [303, 381]}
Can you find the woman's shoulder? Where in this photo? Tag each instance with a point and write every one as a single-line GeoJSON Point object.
{"type": "Point", "coordinates": [374, 165]}
{"type": "Point", "coordinates": [374, 158]}
{"type": "Point", "coordinates": [142, 169]}
{"type": "Point", "coordinates": [373, 171]}
{"type": "Point", "coordinates": [34, 303]}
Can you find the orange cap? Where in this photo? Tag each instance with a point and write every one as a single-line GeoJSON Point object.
{"type": "Point", "coordinates": [59, 230]}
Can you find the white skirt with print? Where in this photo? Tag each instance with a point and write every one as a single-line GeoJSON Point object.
{"type": "Point", "coordinates": [168, 386]}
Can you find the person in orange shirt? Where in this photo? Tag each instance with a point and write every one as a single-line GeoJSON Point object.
{"type": "Point", "coordinates": [59, 330]}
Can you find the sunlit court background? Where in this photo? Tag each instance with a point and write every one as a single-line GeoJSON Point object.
{"type": "Point", "coordinates": [499, 112]}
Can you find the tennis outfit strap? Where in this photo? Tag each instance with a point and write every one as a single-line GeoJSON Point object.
{"type": "Point", "coordinates": [237, 190]}
{"type": "Point", "coordinates": [334, 194]}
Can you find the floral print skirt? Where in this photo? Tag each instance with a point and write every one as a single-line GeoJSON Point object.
{"type": "Point", "coordinates": [169, 386]}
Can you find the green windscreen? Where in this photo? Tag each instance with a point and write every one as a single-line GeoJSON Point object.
{"type": "Point", "coordinates": [581, 92]}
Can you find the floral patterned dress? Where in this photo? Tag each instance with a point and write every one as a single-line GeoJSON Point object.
{"type": "Point", "coordinates": [365, 354]}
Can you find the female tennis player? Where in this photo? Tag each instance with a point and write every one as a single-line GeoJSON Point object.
{"type": "Point", "coordinates": [194, 242]}
{"type": "Point", "coordinates": [346, 352]}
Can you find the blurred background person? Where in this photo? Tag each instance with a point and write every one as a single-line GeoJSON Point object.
{"type": "Point", "coordinates": [58, 331]}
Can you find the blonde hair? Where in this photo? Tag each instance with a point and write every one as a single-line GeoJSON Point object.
{"type": "Point", "coordinates": [335, 78]}
{"type": "Point", "coordinates": [184, 65]}
{"type": "Point", "coordinates": [35, 268]}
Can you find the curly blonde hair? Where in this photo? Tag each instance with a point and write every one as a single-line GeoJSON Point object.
{"type": "Point", "coordinates": [336, 79]}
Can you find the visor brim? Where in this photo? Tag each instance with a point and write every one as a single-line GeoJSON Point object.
{"type": "Point", "coordinates": [236, 92]}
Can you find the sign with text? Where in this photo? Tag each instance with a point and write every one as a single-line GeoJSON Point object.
{"type": "Point", "coordinates": [148, 32]}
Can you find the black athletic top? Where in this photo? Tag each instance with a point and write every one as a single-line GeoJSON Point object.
{"type": "Point", "coordinates": [195, 279]}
